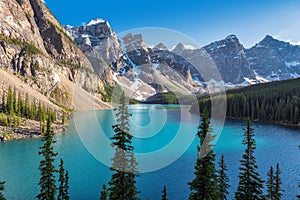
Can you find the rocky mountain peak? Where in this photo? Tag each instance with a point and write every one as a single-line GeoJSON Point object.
{"type": "Point", "coordinates": [179, 47]}
{"type": "Point", "coordinates": [98, 29]}
{"type": "Point", "coordinates": [269, 41]}
{"type": "Point", "coordinates": [36, 47]}
{"type": "Point", "coordinates": [229, 55]}
{"type": "Point", "coordinates": [232, 38]}
{"type": "Point", "coordinates": [274, 59]}
{"type": "Point", "coordinates": [96, 21]}
{"type": "Point", "coordinates": [100, 43]}
{"type": "Point", "coordinates": [230, 44]}
{"type": "Point", "coordinates": [160, 46]}
{"type": "Point", "coordinates": [268, 38]}
{"type": "Point", "coordinates": [134, 42]}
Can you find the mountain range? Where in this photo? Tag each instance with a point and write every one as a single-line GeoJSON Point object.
{"type": "Point", "coordinates": [53, 60]}
{"type": "Point", "coordinates": [145, 71]}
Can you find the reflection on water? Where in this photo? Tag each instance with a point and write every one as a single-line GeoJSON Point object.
{"type": "Point", "coordinates": [156, 126]}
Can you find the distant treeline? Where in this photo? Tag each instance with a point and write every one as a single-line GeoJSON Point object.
{"type": "Point", "coordinates": [274, 102]}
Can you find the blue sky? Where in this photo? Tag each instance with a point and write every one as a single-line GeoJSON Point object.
{"type": "Point", "coordinates": [203, 20]}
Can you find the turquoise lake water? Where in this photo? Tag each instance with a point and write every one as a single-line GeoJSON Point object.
{"type": "Point", "coordinates": [163, 134]}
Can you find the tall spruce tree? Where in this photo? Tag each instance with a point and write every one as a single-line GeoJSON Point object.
{"type": "Point", "coordinates": [274, 191]}
{"type": "Point", "coordinates": [277, 187]}
{"type": "Point", "coordinates": [66, 188]}
{"type": "Point", "coordinates": [298, 196]}
{"type": "Point", "coordinates": [10, 101]}
{"type": "Point", "coordinates": [26, 106]}
{"type": "Point", "coordinates": [3, 108]}
{"type": "Point", "coordinates": [205, 184]}
{"type": "Point", "coordinates": [47, 168]}
{"type": "Point", "coordinates": [20, 104]}
{"type": "Point", "coordinates": [164, 195]}
{"type": "Point", "coordinates": [61, 180]}
{"type": "Point", "coordinates": [1, 190]}
{"type": "Point", "coordinates": [250, 184]}
{"type": "Point", "coordinates": [122, 183]}
{"type": "Point", "coordinates": [270, 184]}
{"type": "Point", "coordinates": [15, 103]}
{"type": "Point", "coordinates": [104, 193]}
{"type": "Point", "coordinates": [223, 179]}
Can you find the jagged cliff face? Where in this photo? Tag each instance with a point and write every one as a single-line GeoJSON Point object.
{"type": "Point", "coordinates": [35, 46]}
{"type": "Point", "coordinates": [229, 55]}
{"type": "Point", "coordinates": [157, 66]}
{"type": "Point", "coordinates": [274, 59]}
{"type": "Point", "coordinates": [101, 45]}
{"type": "Point", "coordinates": [130, 61]}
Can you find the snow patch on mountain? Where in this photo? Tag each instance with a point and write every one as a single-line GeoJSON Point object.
{"type": "Point", "coordinates": [56, 78]}
{"type": "Point", "coordinates": [292, 64]}
{"type": "Point", "coordinates": [185, 46]}
{"type": "Point", "coordinates": [250, 81]}
{"type": "Point", "coordinates": [96, 21]}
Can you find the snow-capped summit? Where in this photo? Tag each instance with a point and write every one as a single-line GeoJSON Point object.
{"type": "Point", "coordinates": [96, 21]}
{"type": "Point", "coordinates": [181, 47]}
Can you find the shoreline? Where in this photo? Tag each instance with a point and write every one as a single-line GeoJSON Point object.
{"type": "Point", "coordinates": [287, 125]}
{"type": "Point", "coordinates": [29, 131]}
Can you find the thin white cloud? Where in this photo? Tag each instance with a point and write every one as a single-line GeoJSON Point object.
{"type": "Point", "coordinates": [292, 42]}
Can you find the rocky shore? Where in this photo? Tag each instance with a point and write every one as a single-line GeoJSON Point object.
{"type": "Point", "coordinates": [28, 129]}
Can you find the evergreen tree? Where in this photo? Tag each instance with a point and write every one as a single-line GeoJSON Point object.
{"type": "Point", "coordinates": [277, 186]}
{"type": "Point", "coordinates": [164, 195]}
{"type": "Point", "coordinates": [205, 184]}
{"type": "Point", "coordinates": [64, 118]}
{"type": "Point", "coordinates": [1, 190]}
{"type": "Point", "coordinates": [10, 101]}
{"type": "Point", "coordinates": [20, 104]}
{"type": "Point", "coordinates": [40, 112]}
{"type": "Point", "coordinates": [223, 179]}
{"type": "Point", "coordinates": [274, 191]}
{"type": "Point", "coordinates": [298, 196]}
{"type": "Point", "coordinates": [104, 194]}
{"type": "Point", "coordinates": [3, 109]}
{"type": "Point", "coordinates": [47, 169]}
{"type": "Point", "coordinates": [26, 106]}
{"type": "Point", "coordinates": [15, 103]}
{"type": "Point", "coordinates": [66, 188]}
{"type": "Point", "coordinates": [33, 110]}
{"type": "Point", "coordinates": [250, 184]}
{"type": "Point", "coordinates": [270, 184]}
{"type": "Point", "coordinates": [61, 180]}
{"type": "Point", "coordinates": [122, 183]}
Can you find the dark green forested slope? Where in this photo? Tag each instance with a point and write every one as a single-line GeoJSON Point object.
{"type": "Point", "coordinates": [275, 102]}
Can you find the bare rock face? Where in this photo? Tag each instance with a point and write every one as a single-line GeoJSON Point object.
{"type": "Point", "coordinates": [160, 46]}
{"type": "Point", "coordinates": [230, 57]}
{"type": "Point", "coordinates": [34, 45]}
{"type": "Point", "coordinates": [131, 63]}
{"type": "Point", "coordinates": [274, 59]}
{"type": "Point", "coordinates": [101, 45]}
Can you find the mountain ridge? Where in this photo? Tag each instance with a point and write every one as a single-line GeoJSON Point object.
{"type": "Point", "coordinates": [233, 60]}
